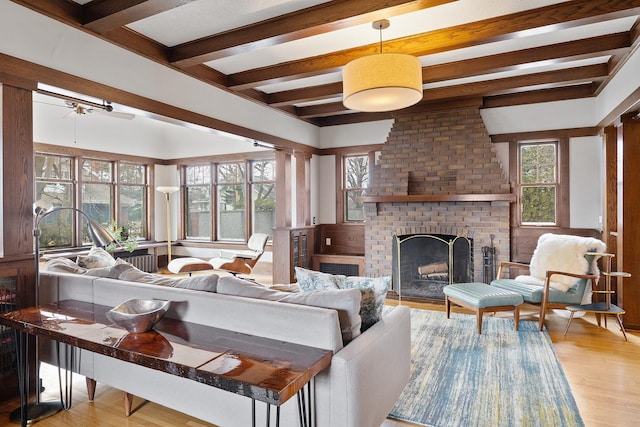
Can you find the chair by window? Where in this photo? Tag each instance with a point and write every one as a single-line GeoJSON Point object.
{"type": "Point", "coordinates": [235, 262]}
{"type": "Point", "coordinates": [241, 261]}
{"type": "Point", "coordinates": [563, 271]}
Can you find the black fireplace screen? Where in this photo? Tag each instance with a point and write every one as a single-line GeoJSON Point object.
{"type": "Point", "coordinates": [424, 263]}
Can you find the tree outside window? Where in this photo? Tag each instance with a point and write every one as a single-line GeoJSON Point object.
{"type": "Point", "coordinates": [356, 181]}
{"type": "Point", "coordinates": [132, 197]}
{"type": "Point", "coordinates": [54, 184]}
{"type": "Point", "coordinates": [263, 190]}
{"type": "Point", "coordinates": [97, 193]}
{"type": "Point", "coordinates": [231, 201]}
{"type": "Point", "coordinates": [538, 183]}
{"type": "Point", "coordinates": [198, 201]}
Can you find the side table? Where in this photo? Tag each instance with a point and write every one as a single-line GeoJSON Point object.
{"type": "Point", "coordinates": [605, 307]}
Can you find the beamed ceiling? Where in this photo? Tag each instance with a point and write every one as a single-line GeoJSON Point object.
{"type": "Point", "coordinates": [289, 54]}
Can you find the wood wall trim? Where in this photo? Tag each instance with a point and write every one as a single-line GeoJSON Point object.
{"type": "Point", "coordinates": [545, 134]}
{"type": "Point", "coordinates": [418, 198]}
{"type": "Point", "coordinates": [354, 149]}
{"type": "Point", "coordinates": [40, 147]}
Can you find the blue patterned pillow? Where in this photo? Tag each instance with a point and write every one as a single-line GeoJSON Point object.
{"type": "Point", "coordinates": [374, 293]}
{"type": "Point", "coordinates": [310, 280]}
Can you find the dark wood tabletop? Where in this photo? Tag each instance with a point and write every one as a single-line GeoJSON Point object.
{"type": "Point", "coordinates": [264, 369]}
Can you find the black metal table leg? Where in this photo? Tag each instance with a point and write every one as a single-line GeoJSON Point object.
{"type": "Point", "coordinates": [69, 359]}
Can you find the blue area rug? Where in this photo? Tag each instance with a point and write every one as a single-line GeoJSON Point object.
{"type": "Point", "coordinates": [499, 378]}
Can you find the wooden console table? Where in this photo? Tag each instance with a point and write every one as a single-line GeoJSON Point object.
{"type": "Point", "coordinates": [262, 369]}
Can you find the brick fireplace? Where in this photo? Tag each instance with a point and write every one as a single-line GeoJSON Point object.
{"type": "Point", "coordinates": [438, 173]}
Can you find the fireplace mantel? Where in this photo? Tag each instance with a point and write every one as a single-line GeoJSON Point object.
{"type": "Point", "coordinates": [507, 197]}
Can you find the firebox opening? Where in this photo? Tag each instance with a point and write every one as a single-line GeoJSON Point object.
{"type": "Point", "coordinates": [424, 263]}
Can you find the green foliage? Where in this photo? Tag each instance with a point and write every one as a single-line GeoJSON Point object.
{"type": "Point", "coordinates": [121, 234]}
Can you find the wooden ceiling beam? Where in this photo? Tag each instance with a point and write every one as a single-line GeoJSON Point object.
{"type": "Point", "coordinates": [104, 16]}
{"type": "Point", "coordinates": [561, 52]}
{"type": "Point", "coordinates": [320, 19]}
{"type": "Point", "coordinates": [483, 88]}
{"type": "Point", "coordinates": [545, 19]}
{"type": "Point", "coordinates": [586, 90]}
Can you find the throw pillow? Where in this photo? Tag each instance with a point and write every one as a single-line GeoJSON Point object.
{"type": "Point", "coordinates": [206, 282]}
{"type": "Point", "coordinates": [64, 265]}
{"type": "Point", "coordinates": [345, 301]}
{"type": "Point", "coordinates": [96, 258]}
{"type": "Point", "coordinates": [374, 294]}
{"type": "Point", "coordinates": [310, 280]}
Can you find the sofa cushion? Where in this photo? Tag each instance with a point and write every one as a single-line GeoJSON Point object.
{"type": "Point", "coordinates": [345, 301]}
{"type": "Point", "coordinates": [374, 293]}
{"type": "Point", "coordinates": [64, 265]}
{"type": "Point", "coordinates": [96, 258]}
{"type": "Point", "coordinates": [310, 280]}
{"type": "Point", "coordinates": [205, 282]}
{"type": "Point", "coordinates": [112, 272]}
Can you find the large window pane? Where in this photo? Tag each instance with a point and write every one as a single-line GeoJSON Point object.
{"type": "Point", "coordinates": [198, 212]}
{"type": "Point", "coordinates": [131, 215]}
{"type": "Point", "coordinates": [538, 182]}
{"type": "Point", "coordinates": [539, 205]}
{"type": "Point", "coordinates": [198, 201]}
{"type": "Point", "coordinates": [231, 212]}
{"type": "Point", "coordinates": [264, 196]}
{"type": "Point", "coordinates": [56, 229]}
{"type": "Point", "coordinates": [356, 180]}
{"type": "Point", "coordinates": [231, 201]}
{"type": "Point", "coordinates": [97, 203]}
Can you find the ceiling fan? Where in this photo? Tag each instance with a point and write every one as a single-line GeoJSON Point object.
{"type": "Point", "coordinates": [79, 109]}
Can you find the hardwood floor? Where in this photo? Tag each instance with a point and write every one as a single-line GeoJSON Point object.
{"type": "Point", "coordinates": [602, 369]}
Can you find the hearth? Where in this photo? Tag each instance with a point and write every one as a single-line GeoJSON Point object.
{"type": "Point", "coordinates": [424, 263]}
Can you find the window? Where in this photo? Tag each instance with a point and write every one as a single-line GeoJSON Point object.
{"type": "Point", "coordinates": [198, 201]}
{"type": "Point", "coordinates": [231, 201]}
{"type": "Point", "coordinates": [109, 192]}
{"type": "Point", "coordinates": [538, 176]}
{"type": "Point", "coordinates": [132, 199]}
{"type": "Point", "coordinates": [54, 176]}
{"type": "Point", "coordinates": [355, 182]}
{"type": "Point", "coordinates": [97, 192]}
{"type": "Point", "coordinates": [263, 190]}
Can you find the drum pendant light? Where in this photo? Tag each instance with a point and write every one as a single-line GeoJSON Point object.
{"type": "Point", "coordinates": [382, 81]}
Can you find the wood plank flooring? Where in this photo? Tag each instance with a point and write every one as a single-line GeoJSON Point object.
{"type": "Point", "coordinates": [602, 369]}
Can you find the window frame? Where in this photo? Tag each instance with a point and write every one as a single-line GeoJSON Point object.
{"type": "Point", "coordinates": [77, 158]}
{"type": "Point", "coordinates": [214, 185]}
{"type": "Point", "coordinates": [341, 188]}
{"type": "Point", "coordinates": [561, 184]}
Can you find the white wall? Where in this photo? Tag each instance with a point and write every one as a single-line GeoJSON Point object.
{"type": "Point", "coordinates": [586, 178]}
{"type": "Point", "coordinates": [166, 175]}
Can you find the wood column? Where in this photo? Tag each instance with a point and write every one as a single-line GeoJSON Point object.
{"type": "Point", "coordinates": [280, 237]}
{"type": "Point", "coordinates": [303, 189]}
{"type": "Point", "coordinates": [629, 218]}
{"type": "Point", "coordinates": [16, 139]}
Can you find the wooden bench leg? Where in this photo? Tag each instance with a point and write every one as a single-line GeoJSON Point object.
{"type": "Point", "coordinates": [127, 399]}
{"type": "Point", "coordinates": [516, 316]}
{"type": "Point", "coordinates": [91, 388]}
{"type": "Point", "coordinates": [479, 314]}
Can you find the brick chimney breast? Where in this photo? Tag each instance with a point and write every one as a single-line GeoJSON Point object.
{"type": "Point", "coordinates": [437, 153]}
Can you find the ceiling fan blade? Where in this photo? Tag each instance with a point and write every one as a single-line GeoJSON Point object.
{"type": "Point", "coordinates": [116, 114]}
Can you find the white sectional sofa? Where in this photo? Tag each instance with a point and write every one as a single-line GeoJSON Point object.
{"type": "Point", "coordinates": [363, 382]}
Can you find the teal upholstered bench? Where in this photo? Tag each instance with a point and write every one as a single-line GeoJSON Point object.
{"type": "Point", "coordinates": [481, 298]}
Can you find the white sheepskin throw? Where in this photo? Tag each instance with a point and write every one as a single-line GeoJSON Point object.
{"type": "Point", "coordinates": [558, 252]}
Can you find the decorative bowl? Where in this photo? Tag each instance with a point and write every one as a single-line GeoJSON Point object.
{"type": "Point", "coordinates": [138, 315]}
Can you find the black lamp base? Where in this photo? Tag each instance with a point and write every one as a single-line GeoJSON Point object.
{"type": "Point", "coordinates": [36, 411]}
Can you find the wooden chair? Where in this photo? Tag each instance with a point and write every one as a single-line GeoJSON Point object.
{"type": "Point", "coordinates": [562, 268]}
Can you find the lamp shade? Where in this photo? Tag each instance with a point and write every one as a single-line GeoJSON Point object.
{"type": "Point", "coordinates": [167, 189]}
{"type": "Point", "coordinates": [382, 82]}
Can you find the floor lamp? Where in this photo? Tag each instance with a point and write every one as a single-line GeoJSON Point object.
{"type": "Point", "coordinates": [38, 410]}
{"type": "Point", "coordinates": [168, 191]}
